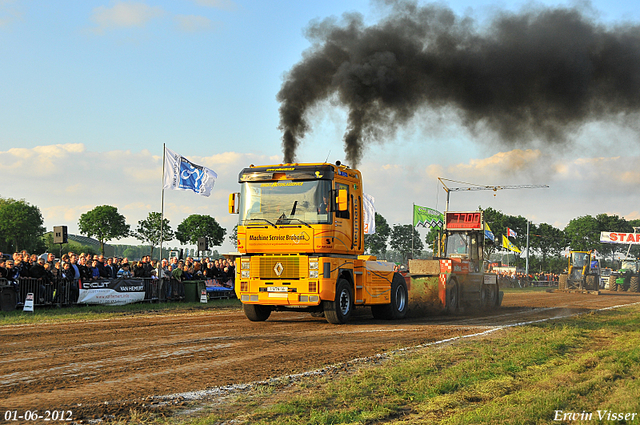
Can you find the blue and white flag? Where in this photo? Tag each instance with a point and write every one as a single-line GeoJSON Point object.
{"type": "Point", "coordinates": [182, 174]}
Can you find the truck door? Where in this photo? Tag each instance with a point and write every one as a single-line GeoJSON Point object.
{"type": "Point", "coordinates": [343, 223]}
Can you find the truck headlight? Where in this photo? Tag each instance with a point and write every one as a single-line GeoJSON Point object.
{"type": "Point", "coordinates": [246, 265]}
{"type": "Point", "coordinates": [313, 274]}
{"type": "Point", "coordinates": [246, 274]}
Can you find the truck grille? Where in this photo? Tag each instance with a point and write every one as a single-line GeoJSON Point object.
{"type": "Point", "coordinates": [280, 267]}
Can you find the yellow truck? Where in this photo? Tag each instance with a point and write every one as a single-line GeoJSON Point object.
{"type": "Point", "coordinates": [301, 236]}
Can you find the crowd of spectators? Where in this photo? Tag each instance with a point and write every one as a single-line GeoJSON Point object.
{"type": "Point", "coordinates": [521, 280]}
{"type": "Point", "coordinates": [87, 267]}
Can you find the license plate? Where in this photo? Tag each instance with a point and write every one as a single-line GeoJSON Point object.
{"type": "Point", "coordinates": [277, 289]}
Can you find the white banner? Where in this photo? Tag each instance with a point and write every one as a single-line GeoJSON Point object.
{"type": "Point", "coordinates": [369, 215]}
{"type": "Point", "coordinates": [182, 174]}
{"type": "Point", "coordinates": [617, 237]}
{"type": "Point", "coordinates": [112, 292]}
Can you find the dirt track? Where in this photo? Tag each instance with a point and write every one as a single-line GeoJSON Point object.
{"type": "Point", "coordinates": [80, 366]}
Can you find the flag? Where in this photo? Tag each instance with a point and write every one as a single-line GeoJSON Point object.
{"type": "Point", "coordinates": [508, 245]}
{"type": "Point", "coordinates": [369, 214]}
{"type": "Point", "coordinates": [423, 216]}
{"type": "Point", "coordinates": [182, 174]}
{"type": "Point", "coordinates": [488, 233]}
{"type": "Point", "coordinates": [511, 233]}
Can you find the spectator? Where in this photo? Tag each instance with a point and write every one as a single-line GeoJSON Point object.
{"type": "Point", "coordinates": [111, 268]}
{"type": "Point", "coordinates": [187, 275]}
{"type": "Point", "coordinates": [73, 260]}
{"type": "Point", "coordinates": [124, 271]}
{"type": "Point", "coordinates": [95, 271]}
{"type": "Point", "coordinates": [37, 271]}
{"type": "Point", "coordinates": [85, 270]}
{"type": "Point", "coordinates": [3, 269]}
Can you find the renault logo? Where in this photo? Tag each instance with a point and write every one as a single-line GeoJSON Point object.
{"type": "Point", "coordinates": [278, 268]}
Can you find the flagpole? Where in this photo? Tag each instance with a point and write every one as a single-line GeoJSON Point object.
{"type": "Point", "coordinates": [164, 152]}
{"type": "Point", "coordinates": [413, 223]}
{"type": "Point", "coordinates": [526, 271]}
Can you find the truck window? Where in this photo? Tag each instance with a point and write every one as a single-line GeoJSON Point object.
{"type": "Point", "coordinates": [343, 214]}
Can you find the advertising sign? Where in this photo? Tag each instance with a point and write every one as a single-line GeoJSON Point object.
{"type": "Point", "coordinates": [112, 292]}
{"type": "Point", "coordinates": [617, 237]}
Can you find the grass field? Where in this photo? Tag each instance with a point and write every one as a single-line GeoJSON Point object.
{"type": "Point", "coordinates": [97, 312]}
{"type": "Point", "coordinates": [584, 367]}
{"type": "Point", "coordinates": [578, 370]}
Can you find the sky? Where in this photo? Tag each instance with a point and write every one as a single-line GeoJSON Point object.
{"type": "Point", "coordinates": [92, 90]}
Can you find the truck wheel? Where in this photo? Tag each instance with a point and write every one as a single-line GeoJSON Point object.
{"type": "Point", "coordinates": [610, 283]}
{"type": "Point", "coordinates": [339, 310]}
{"type": "Point", "coordinates": [613, 286]}
{"type": "Point", "coordinates": [634, 285]}
{"type": "Point", "coordinates": [620, 288]}
{"type": "Point", "coordinates": [398, 306]}
{"type": "Point", "coordinates": [489, 296]}
{"type": "Point", "coordinates": [562, 281]}
{"type": "Point", "coordinates": [452, 297]}
{"type": "Point", "coordinates": [256, 312]}
{"type": "Point", "coordinates": [591, 283]}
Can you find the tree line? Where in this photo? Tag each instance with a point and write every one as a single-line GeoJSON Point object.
{"type": "Point", "coordinates": [22, 227]}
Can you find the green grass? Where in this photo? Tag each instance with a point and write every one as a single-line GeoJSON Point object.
{"type": "Point", "coordinates": [97, 312]}
{"type": "Point", "coordinates": [519, 376]}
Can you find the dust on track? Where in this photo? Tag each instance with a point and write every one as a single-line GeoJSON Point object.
{"type": "Point", "coordinates": [106, 367]}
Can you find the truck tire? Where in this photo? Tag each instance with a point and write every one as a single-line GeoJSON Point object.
{"type": "Point", "coordinates": [398, 306]}
{"type": "Point", "coordinates": [339, 310]}
{"type": "Point", "coordinates": [591, 282]}
{"type": "Point", "coordinates": [489, 296]}
{"type": "Point", "coordinates": [452, 297]}
{"type": "Point", "coordinates": [562, 281]}
{"type": "Point", "coordinates": [634, 284]}
{"type": "Point", "coordinates": [610, 283]}
{"type": "Point", "coordinates": [621, 288]}
{"type": "Point", "coordinates": [256, 312]}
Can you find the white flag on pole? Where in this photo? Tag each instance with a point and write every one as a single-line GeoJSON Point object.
{"type": "Point", "coordinates": [369, 214]}
{"type": "Point", "coordinates": [182, 174]}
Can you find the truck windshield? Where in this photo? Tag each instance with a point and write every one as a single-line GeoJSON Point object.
{"type": "Point", "coordinates": [629, 265]}
{"type": "Point", "coordinates": [580, 259]}
{"type": "Point", "coordinates": [285, 202]}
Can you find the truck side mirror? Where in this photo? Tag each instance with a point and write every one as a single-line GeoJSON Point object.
{"type": "Point", "coordinates": [343, 200]}
{"type": "Point", "coordinates": [234, 203]}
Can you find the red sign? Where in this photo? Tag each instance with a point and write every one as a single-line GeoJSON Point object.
{"type": "Point", "coordinates": [464, 220]}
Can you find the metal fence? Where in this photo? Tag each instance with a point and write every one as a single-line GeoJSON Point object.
{"type": "Point", "coordinates": [65, 292]}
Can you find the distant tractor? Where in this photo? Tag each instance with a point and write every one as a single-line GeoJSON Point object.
{"type": "Point", "coordinates": [580, 274]}
{"type": "Point", "coordinates": [627, 278]}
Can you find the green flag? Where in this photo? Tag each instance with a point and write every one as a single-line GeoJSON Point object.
{"type": "Point", "coordinates": [423, 216]}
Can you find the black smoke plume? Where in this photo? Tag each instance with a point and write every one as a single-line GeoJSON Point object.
{"type": "Point", "coordinates": [536, 74]}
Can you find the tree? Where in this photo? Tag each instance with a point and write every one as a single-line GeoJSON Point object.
{"type": "Point", "coordinates": [377, 243]}
{"type": "Point", "coordinates": [21, 226]}
{"type": "Point", "coordinates": [401, 239]}
{"type": "Point", "coordinates": [233, 237]}
{"type": "Point", "coordinates": [200, 226]}
{"type": "Point", "coordinates": [105, 223]}
{"type": "Point", "coordinates": [612, 223]}
{"type": "Point", "coordinates": [583, 233]}
{"type": "Point", "coordinates": [548, 240]}
{"type": "Point", "coordinates": [149, 230]}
